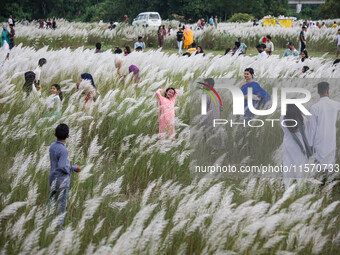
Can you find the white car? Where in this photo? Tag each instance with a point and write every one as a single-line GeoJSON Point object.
{"type": "Point", "coordinates": [146, 19]}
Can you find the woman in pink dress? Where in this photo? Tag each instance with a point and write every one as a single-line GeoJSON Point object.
{"type": "Point", "coordinates": [166, 112]}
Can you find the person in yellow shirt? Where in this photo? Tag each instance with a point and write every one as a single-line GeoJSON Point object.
{"type": "Point", "coordinates": [335, 25]}
{"type": "Point", "coordinates": [188, 37]}
{"type": "Point", "coordinates": [191, 50]}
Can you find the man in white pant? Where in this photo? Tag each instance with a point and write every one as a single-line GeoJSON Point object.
{"type": "Point", "coordinates": [179, 36]}
{"type": "Point", "coordinates": [322, 129]}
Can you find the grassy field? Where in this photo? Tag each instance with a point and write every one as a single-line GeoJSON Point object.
{"type": "Point", "coordinates": [136, 194]}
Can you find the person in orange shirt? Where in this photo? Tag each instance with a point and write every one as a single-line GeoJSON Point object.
{"type": "Point", "coordinates": [188, 37]}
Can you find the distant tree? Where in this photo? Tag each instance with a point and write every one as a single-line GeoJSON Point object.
{"type": "Point", "coordinates": [330, 10]}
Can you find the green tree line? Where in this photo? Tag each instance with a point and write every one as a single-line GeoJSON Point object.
{"type": "Point", "coordinates": [191, 10]}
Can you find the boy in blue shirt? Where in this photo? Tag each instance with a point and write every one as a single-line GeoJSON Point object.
{"type": "Point", "coordinates": [60, 173]}
{"type": "Point", "coordinates": [140, 43]}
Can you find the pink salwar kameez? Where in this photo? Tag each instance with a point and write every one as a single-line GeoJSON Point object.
{"type": "Point", "coordinates": [166, 115]}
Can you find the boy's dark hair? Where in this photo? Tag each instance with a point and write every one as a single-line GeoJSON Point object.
{"type": "Point", "coordinates": [98, 45]}
{"type": "Point", "coordinates": [139, 48]}
{"type": "Point", "coordinates": [42, 61]}
{"type": "Point", "coordinates": [193, 45]}
{"type": "Point", "coordinates": [269, 37]}
{"type": "Point", "coordinates": [237, 44]}
{"type": "Point", "coordinates": [139, 37]}
{"type": "Point", "coordinates": [61, 132]}
{"type": "Point", "coordinates": [323, 87]}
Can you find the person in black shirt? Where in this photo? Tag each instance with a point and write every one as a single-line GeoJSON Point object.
{"type": "Point", "coordinates": [303, 39]}
{"type": "Point", "coordinates": [179, 36]}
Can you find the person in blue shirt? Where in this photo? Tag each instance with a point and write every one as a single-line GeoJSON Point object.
{"type": "Point", "coordinates": [291, 51]}
{"type": "Point", "coordinates": [260, 96]}
{"type": "Point", "coordinates": [60, 173]}
{"type": "Point", "coordinates": [243, 46]}
{"type": "Point", "coordinates": [140, 43]}
{"type": "Point", "coordinates": [211, 21]}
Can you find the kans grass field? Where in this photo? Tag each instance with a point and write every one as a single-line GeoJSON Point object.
{"type": "Point", "coordinates": [135, 194]}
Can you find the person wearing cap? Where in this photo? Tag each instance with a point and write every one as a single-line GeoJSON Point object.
{"type": "Point", "coordinates": [261, 49]}
{"type": "Point", "coordinates": [302, 39]}
{"type": "Point", "coordinates": [291, 51]}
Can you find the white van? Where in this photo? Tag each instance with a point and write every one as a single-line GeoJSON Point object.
{"type": "Point", "coordinates": [148, 19]}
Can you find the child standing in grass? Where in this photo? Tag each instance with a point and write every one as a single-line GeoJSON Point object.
{"type": "Point", "coordinates": [37, 71]}
{"type": "Point", "coordinates": [60, 173]}
{"type": "Point", "coordinates": [166, 112]}
{"type": "Point", "coordinates": [54, 101]}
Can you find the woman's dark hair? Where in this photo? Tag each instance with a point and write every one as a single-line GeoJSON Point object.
{"type": "Point", "coordinates": [201, 50]}
{"type": "Point", "coordinates": [87, 76]}
{"type": "Point", "coordinates": [42, 61]}
{"type": "Point", "coordinates": [305, 69]}
{"type": "Point", "coordinates": [306, 53]}
{"type": "Point", "coordinates": [128, 50]}
{"type": "Point", "coordinates": [227, 51]}
{"type": "Point", "coordinates": [118, 50]}
{"type": "Point", "coordinates": [62, 131]}
{"type": "Point", "coordinates": [160, 27]}
{"type": "Point", "coordinates": [293, 113]}
{"type": "Point", "coordinates": [29, 79]}
{"type": "Point", "coordinates": [166, 91]}
{"type": "Point", "coordinates": [337, 61]}
{"type": "Point", "coordinates": [238, 44]}
{"type": "Point", "coordinates": [98, 45]}
{"type": "Point", "coordinates": [60, 94]}
{"type": "Point", "coordinates": [250, 70]}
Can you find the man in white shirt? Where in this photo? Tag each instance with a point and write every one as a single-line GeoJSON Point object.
{"type": "Point", "coordinates": [338, 44]}
{"type": "Point", "coordinates": [322, 129]}
{"type": "Point", "coordinates": [261, 49]}
{"type": "Point", "coordinates": [10, 20]}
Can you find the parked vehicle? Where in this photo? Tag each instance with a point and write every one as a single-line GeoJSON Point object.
{"type": "Point", "coordinates": [148, 19]}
